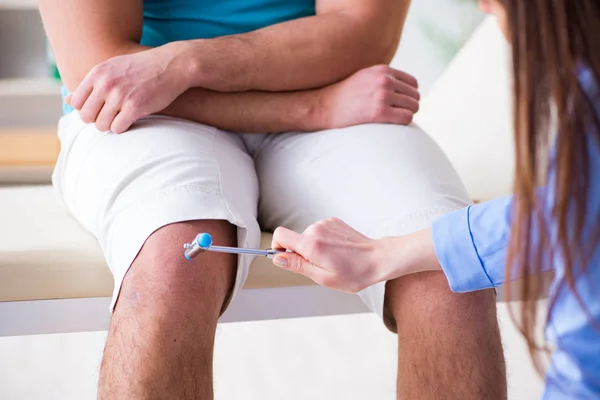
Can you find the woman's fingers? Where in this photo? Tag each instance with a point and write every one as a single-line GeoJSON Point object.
{"type": "Point", "coordinates": [293, 262]}
{"type": "Point", "coordinates": [296, 263]}
{"type": "Point", "coordinates": [284, 238]}
{"type": "Point", "coordinates": [330, 252]}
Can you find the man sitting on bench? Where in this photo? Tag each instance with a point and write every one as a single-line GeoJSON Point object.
{"type": "Point", "coordinates": [187, 116]}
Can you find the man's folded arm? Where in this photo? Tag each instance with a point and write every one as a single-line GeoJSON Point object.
{"type": "Point", "coordinates": [343, 37]}
{"type": "Point", "coordinates": [84, 34]}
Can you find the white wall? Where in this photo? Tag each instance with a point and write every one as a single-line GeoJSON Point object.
{"type": "Point", "coordinates": [23, 55]}
{"type": "Point", "coordinates": [434, 31]}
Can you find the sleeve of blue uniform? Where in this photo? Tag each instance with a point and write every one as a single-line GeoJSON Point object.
{"type": "Point", "coordinates": [470, 245]}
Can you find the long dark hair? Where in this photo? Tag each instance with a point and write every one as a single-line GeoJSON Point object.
{"type": "Point", "coordinates": [552, 40]}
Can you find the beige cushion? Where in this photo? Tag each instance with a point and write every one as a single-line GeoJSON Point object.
{"type": "Point", "coordinates": [468, 113]}
{"type": "Point", "coordinates": [45, 254]}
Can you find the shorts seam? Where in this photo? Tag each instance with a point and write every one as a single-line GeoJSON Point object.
{"type": "Point", "coordinates": [196, 188]}
{"type": "Point", "coordinates": [428, 211]}
{"type": "Point", "coordinates": [214, 151]}
{"type": "Point", "coordinates": [220, 192]}
{"type": "Point", "coordinates": [423, 213]}
{"type": "Point", "coordinates": [191, 188]}
{"type": "Point", "coordinates": [177, 188]}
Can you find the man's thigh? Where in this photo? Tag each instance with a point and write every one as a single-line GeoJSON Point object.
{"type": "Point", "coordinates": [381, 179]}
{"type": "Point", "coordinates": [123, 188]}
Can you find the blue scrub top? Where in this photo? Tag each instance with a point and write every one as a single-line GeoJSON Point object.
{"type": "Point", "coordinates": [471, 246]}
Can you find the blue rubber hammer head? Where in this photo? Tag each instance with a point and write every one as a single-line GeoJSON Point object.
{"type": "Point", "coordinates": [201, 243]}
{"type": "Point", "coordinates": [204, 240]}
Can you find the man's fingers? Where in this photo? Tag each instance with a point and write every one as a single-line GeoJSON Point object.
{"type": "Point", "coordinates": [404, 77]}
{"type": "Point", "coordinates": [287, 239]}
{"type": "Point", "coordinates": [122, 122]}
{"type": "Point", "coordinates": [406, 102]}
{"type": "Point", "coordinates": [80, 95]}
{"type": "Point", "coordinates": [90, 110]}
{"type": "Point", "coordinates": [400, 116]}
{"type": "Point", "coordinates": [107, 116]}
{"type": "Point", "coordinates": [406, 89]}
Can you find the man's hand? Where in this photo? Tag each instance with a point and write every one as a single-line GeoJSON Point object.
{"type": "Point", "coordinates": [123, 89]}
{"type": "Point", "coordinates": [378, 94]}
{"type": "Point", "coordinates": [126, 88]}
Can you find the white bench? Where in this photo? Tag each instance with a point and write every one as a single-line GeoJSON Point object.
{"type": "Point", "coordinates": [53, 277]}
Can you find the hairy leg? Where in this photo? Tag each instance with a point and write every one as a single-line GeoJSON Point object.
{"type": "Point", "coordinates": [448, 344]}
{"type": "Point", "coordinates": [161, 337]}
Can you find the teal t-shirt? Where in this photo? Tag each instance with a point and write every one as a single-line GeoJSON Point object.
{"type": "Point", "coordinates": [172, 20]}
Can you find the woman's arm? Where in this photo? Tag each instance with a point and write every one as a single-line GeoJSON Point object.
{"type": "Point", "coordinates": [468, 244]}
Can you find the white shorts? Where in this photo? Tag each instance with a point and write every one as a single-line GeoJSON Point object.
{"type": "Point", "coordinates": [381, 179]}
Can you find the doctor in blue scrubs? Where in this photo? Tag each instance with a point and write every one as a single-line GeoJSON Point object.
{"type": "Point", "coordinates": [552, 222]}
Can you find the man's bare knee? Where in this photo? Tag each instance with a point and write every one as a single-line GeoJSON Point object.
{"type": "Point", "coordinates": [161, 277]}
{"type": "Point", "coordinates": [165, 320]}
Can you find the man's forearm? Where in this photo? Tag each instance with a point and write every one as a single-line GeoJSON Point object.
{"type": "Point", "coordinates": [251, 112]}
{"type": "Point", "coordinates": [299, 54]}
{"type": "Point", "coordinates": [378, 94]}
